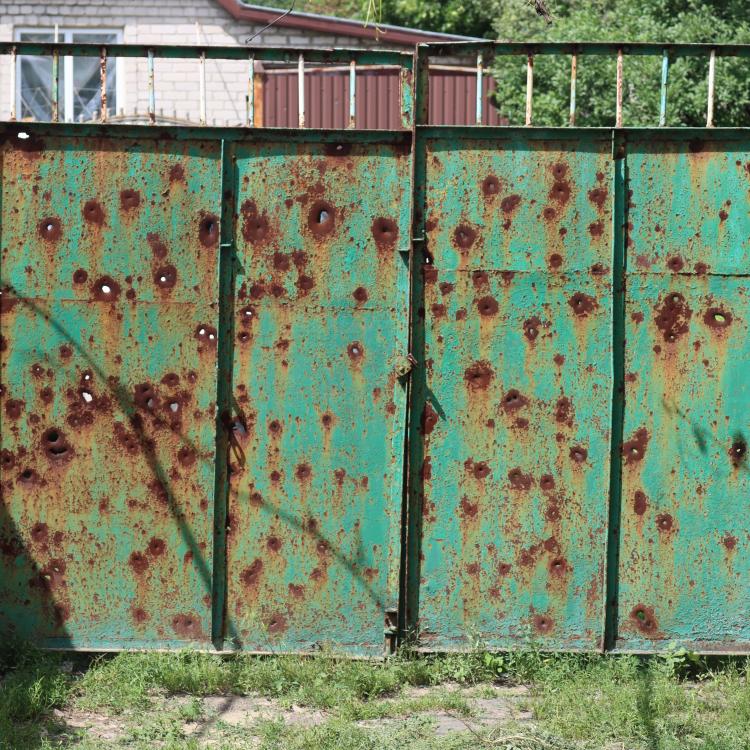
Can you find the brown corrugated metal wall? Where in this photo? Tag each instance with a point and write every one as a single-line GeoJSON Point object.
{"type": "Point", "coordinates": [452, 98]}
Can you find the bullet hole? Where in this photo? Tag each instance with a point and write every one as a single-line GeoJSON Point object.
{"type": "Point", "coordinates": [277, 624]}
{"type": "Point", "coordinates": [156, 547]}
{"type": "Point", "coordinates": [546, 482]}
{"type": "Point", "coordinates": [738, 451]}
{"type": "Point", "coordinates": [664, 522]}
{"type": "Point", "coordinates": [510, 203]}
{"type": "Point", "coordinates": [673, 318]}
{"type": "Point", "coordinates": [582, 304]}
{"type": "Point", "coordinates": [717, 318]}
{"type": "Point", "coordinates": [558, 566]}
{"type": "Point", "coordinates": [55, 445]}
{"type": "Point", "coordinates": [531, 328]}
{"type": "Point", "coordinates": [640, 502]}
{"type": "Point", "coordinates": [250, 576]}
{"type": "Point", "coordinates": [564, 411]}
{"type": "Point", "coordinates": [303, 472]}
{"type": "Point", "coordinates": [321, 218]}
{"type": "Point", "coordinates": [92, 212]}
{"type": "Point", "coordinates": [129, 199]}
{"type": "Point", "coordinates": [723, 215]}
{"type": "Point", "coordinates": [106, 289]}
{"type": "Point", "coordinates": [80, 276]}
{"type": "Point", "coordinates": [128, 441]}
{"type": "Point", "coordinates": [463, 237]}
{"type": "Point", "coordinates": [14, 407]}
{"type": "Point", "coordinates": [675, 263]}
{"type": "Point", "coordinates": [478, 376]}
{"type": "Point", "coordinates": [596, 229]}
{"type": "Point", "coordinates": [206, 335]}
{"type": "Point", "coordinates": [186, 455]}
{"type": "Point", "coordinates": [429, 418]}
{"type": "Point", "coordinates": [337, 149]}
{"type": "Point", "coordinates": [7, 459]}
{"type": "Point", "coordinates": [305, 283]}
{"type": "Point", "coordinates": [634, 450]}
{"type": "Point", "coordinates": [487, 306]}
{"type": "Point", "coordinates": [514, 400]}
{"type": "Point", "coordinates": [481, 470]}
{"type": "Point", "coordinates": [385, 232]}
{"type": "Point", "coordinates": [37, 370]}
{"type": "Point", "coordinates": [247, 313]}
{"type": "Point", "coordinates": [165, 277]}
{"type": "Point", "coordinates": [243, 337]}
{"type": "Point", "coordinates": [28, 476]}
{"type": "Point", "coordinates": [549, 213]}
{"type": "Point", "coordinates": [39, 533]}
{"type": "Point", "coordinates": [729, 541]}
{"type": "Point", "coordinates": [360, 294]}
{"type": "Point", "coordinates": [327, 420]}
{"type": "Point", "coordinates": [255, 227]}
{"type": "Point", "coordinates": [171, 379]}
{"type": "Point", "coordinates": [87, 396]}
{"type": "Point", "coordinates": [158, 248]}
{"type": "Point", "coordinates": [355, 350]}
{"type": "Point", "coordinates": [598, 196]}
{"type": "Point", "coordinates": [49, 229]}
{"type": "Point", "coordinates": [273, 543]}
{"type": "Point", "coordinates": [559, 359]}
{"type": "Point", "coordinates": [208, 230]}
{"type": "Point", "coordinates": [555, 261]}
{"type": "Point", "coordinates": [145, 397]}
{"type": "Point", "coordinates": [490, 185]}
{"type": "Point", "coordinates": [543, 624]}
{"type": "Point", "coordinates": [186, 626]}
{"type": "Point", "coordinates": [560, 192]}
{"type": "Point", "coordinates": [578, 454]}
{"type": "Point", "coordinates": [643, 618]}
{"type": "Point", "coordinates": [518, 480]}
{"type": "Point", "coordinates": [275, 428]}
{"type": "Point", "coordinates": [177, 173]}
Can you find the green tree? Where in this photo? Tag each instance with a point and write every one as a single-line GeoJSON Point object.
{"type": "Point", "coordinates": [718, 21]}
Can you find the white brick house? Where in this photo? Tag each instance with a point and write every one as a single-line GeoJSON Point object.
{"type": "Point", "coordinates": [180, 22]}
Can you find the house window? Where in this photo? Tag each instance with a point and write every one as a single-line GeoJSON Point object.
{"type": "Point", "coordinates": [80, 84]}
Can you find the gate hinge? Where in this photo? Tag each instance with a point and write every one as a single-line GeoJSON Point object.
{"type": "Point", "coordinates": [404, 364]}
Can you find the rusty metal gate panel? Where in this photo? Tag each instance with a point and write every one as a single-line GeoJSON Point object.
{"type": "Point", "coordinates": [685, 557]}
{"type": "Point", "coordinates": [320, 329]}
{"type": "Point", "coordinates": [513, 413]}
{"type": "Point", "coordinates": [109, 316]}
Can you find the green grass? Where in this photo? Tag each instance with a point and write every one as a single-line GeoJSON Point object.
{"type": "Point", "coordinates": [578, 702]}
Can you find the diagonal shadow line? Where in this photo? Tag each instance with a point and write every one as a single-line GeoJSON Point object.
{"type": "Point", "coordinates": [738, 459]}
{"type": "Point", "coordinates": [128, 407]}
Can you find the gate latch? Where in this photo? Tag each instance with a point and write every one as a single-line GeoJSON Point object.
{"type": "Point", "coordinates": [404, 364]}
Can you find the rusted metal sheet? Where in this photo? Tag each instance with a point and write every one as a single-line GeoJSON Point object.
{"type": "Point", "coordinates": [109, 315]}
{"type": "Point", "coordinates": [511, 420]}
{"type": "Point", "coordinates": [685, 552]}
{"type": "Point", "coordinates": [320, 341]}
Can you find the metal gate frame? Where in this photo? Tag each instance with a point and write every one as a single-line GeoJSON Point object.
{"type": "Point", "coordinates": [402, 615]}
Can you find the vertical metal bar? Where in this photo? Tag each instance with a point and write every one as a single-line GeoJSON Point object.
{"type": "Point", "coordinates": [711, 84]}
{"type": "Point", "coordinates": [251, 92]}
{"type": "Point", "coordinates": [56, 85]}
{"type": "Point", "coordinates": [352, 93]}
{"type": "Point", "coordinates": [480, 93]}
{"type": "Point", "coordinates": [664, 78]}
{"type": "Point", "coordinates": [573, 74]}
{"type": "Point", "coordinates": [529, 86]}
{"type": "Point", "coordinates": [151, 92]}
{"type": "Point", "coordinates": [619, 271]}
{"type": "Point", "coordinates": [13, 74]}
{"type": "Point", "coordinates": [103, 82]}
{"type": "Point", "coordinates": [202, 71]}
{"type": "Point", "coordinates": [618, 106]}
{"type": "Point", "coordinates": [301, 89]}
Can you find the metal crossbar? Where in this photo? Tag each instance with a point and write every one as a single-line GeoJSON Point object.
{"type": "Point", "coordinates": [411, 91]}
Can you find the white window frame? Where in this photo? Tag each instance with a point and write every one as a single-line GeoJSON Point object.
{"type": "Point", "coordinates": [65, 35]}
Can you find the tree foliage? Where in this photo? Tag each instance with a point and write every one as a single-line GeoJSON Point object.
{"type": "Point", "coordinates": [670, 21]}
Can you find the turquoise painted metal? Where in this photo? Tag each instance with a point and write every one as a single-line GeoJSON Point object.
{"type": "Point", "coordinates": [511, 466]}
{"type": "Point", "coordinates": [320, 332]}
{"type": "Point", "coordinates": [272, 390]}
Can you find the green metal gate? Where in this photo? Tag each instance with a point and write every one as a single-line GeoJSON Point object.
{"type": "Point", "coordinates": [275, 390]}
